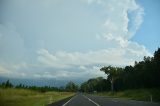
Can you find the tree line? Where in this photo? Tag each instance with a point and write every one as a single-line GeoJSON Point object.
{"type": "Point", "coordinates": [144, 74]}
{"type": "Point", "coordinates": [70, 87]}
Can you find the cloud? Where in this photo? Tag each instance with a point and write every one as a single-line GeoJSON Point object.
{"type": "Point", "coordinates": [58, 40]}
{"type": "Point", "coordinates": [116, 56]}
{"type": "Point", "coordinates": [50, 60]}
{"type": "Point", "coordinates": [123, 17]}
{"type": "Point", "coordinates": [11, 44]}
{"type": "Point", "coordinates": [92, 1]}
{"type": "Point", "coordinates": [3, 70]}
{"type": "Point", "coordinates": [123, 20]}
{"type": "Point", "coordinates": [73, 73]}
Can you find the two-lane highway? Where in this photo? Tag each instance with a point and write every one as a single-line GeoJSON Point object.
{"type": "Point", "coordinates": [80, 100]}
{"type": "Point", "coordinates": [89, 100]}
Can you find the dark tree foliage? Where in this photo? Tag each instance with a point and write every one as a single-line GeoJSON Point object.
{"type": "Point", "coordinates": [95, 84]}
{"type": "Point", "coordinates": [144, 74]}
{"type": "Point", "coordinates": [113, 73]}
{"type": "Point", "coordinates": [6, 84]}
{"type": "Point", "coordinates": [71, 87]}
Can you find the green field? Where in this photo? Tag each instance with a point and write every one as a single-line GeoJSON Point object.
{"type": "Point", "coordinates": [136, 94]}
{"type": "Point", "coordinates": [23, 97]}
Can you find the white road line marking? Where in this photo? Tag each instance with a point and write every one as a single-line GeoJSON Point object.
{"type": "Point", "coordinates": [114, 100]}
{"type": "Point", "coordinates": [69, 101]}
{"type": "Point", "coordinates": [91, 100]}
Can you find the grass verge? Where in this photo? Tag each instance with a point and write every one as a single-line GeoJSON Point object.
{"type": "Point", "coordinates": [23, 97]}
{"type": "Point", "coordinates": [136, 94]}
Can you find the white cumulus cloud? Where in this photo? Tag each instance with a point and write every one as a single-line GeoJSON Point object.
{"type": "Point", "coordinates": [120, 21]}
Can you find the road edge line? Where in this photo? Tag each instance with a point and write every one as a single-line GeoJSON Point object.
{"type": "Point", "coordinates": [91, 100]}
{"type": "Point", "coordinates": [69, 101]}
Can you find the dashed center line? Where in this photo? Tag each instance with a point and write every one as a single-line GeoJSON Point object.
{"type": "Point", "coordinates": [91, 100]}
{"type": "Point", "coordinates": [69, 101]}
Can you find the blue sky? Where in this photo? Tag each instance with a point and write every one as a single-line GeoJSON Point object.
{"type": "Point", "coordinates": [149, 33]}
{"type": "Point", "coordinates": [73, 39]}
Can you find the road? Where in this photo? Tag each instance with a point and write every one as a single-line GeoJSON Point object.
{"type": "Point", "coordinates": [88, 100]}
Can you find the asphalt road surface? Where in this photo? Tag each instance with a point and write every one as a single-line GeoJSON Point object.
{"type": "Point", "coordinates": [88, 100]}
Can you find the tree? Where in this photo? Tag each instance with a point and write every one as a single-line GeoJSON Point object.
{"type": "Point", "coordinates": [71, 87]}
{"type": "Point", "coordinates": [95, 84]}
{"type": "Point", "coordinates": [144, 74]}
{"type": "Point", "coordinates": [156, 67]}
{"type": "Point", "coordinates": [157, 56]}
{"type": "Point", "coordinates": [8, 84]}
{"type": "Point", "coordinates": [112, 73]}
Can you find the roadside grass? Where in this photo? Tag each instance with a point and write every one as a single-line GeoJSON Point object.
{"type": "Point", "coordinates": [135, 94]}
{"type": "Point", "coordinates": [24, 97]}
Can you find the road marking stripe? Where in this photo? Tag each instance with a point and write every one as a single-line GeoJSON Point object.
{"type": "Point", "coordinates": [69, 101]}
{"type": "Point", "coordinates": [114, 100]}
{"type": "Point", "coordinates": [91, 100]}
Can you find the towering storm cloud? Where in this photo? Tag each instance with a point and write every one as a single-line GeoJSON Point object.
{"type": "Point", "coordinates": [69, 39]}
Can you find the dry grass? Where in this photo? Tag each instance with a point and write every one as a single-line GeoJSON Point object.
{"type": "Point", "coordinates": [23, 97]}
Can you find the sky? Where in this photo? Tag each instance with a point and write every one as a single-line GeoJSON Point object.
{"type": "Point", "coordinates": [73, 39]}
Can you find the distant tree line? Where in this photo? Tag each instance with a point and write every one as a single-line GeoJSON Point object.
{"type": "Point", "coordinates": [70, 87]}
{"type": "Point", "coordinates": [95, 84]}
{"type": "Point", "coordinates": [144, 74]}
{"type": "Point", "coordinates": [6, 84]}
